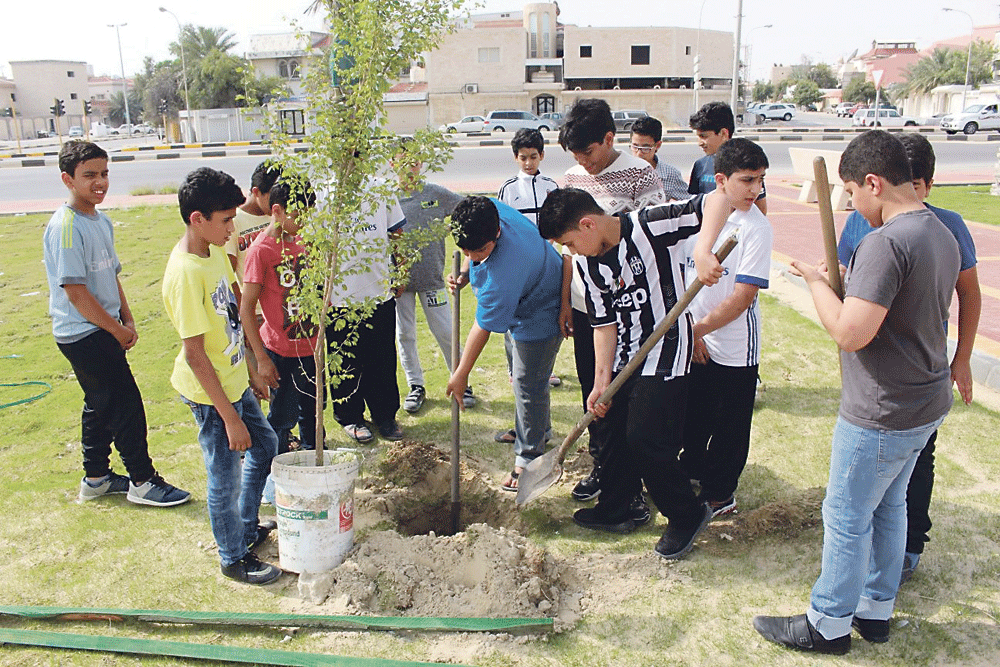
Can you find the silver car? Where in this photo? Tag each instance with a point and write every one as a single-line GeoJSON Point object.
{"type": "Point", "coordinates": [509, 120]}
{"type": "Point", "coordinates": [467, 124]}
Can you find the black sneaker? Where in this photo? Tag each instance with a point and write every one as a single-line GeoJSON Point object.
{"type": "Point", "coordinates": [111, 484]}
{"type": "Point", "coordinates": [415, 399]}
{"type": "Point", "coordinates": [676, 542]}
{"type": "Point", "coordinates": [871, 629]}
{"type": "Point", "coordinates": [590, 518]}
{"type": "Point", "coordinates": [638, 511]}
{"type": "Point", "coordinates": [798, 633]}
{"type": "Point", "coordinates": [720, 507]}
{"type": "Point", "coordinates": [589, 487]}
{"type": "Point", "coordinates": [251, 570]}
{"type": "Point", "coordinates": [155, 491]}
{"type": "Point", "coordinates": [390, 430]}
{"type": "Point", "coordinates": [264, 529]}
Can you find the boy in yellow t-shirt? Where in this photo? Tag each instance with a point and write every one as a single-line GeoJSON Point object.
{"type": "Point", "coordinates": [210, 373]}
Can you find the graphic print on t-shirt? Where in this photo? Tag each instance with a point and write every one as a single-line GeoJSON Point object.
{"type": "Point", "coordinates": [224, 302]}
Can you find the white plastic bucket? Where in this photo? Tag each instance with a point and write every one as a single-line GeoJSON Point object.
{"type": "Point", "coordinates": [315, 507]}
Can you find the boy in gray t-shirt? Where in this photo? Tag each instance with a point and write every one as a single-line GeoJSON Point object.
{"type": "Point", "coordinates": [896, 392]}
{"type": "Point", "coordinates": [424, 204]}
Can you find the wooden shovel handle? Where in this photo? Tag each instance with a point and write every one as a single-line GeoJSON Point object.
{"type": "Point", "coordinates": [826, 221]}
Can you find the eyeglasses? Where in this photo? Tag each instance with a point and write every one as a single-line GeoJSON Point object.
{"type": "Point", "coordinates": [642, 149]}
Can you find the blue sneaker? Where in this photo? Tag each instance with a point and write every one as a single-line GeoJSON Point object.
{"type": "Point", "coordinates": [157, 492]}
{"type": "Point", "coordinates": [111, 484]}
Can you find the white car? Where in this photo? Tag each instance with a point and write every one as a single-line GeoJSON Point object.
{"type": "Point", "coordinates": [844, 109]}
{"type": "Point", "coordinates": [75, 131]}
{"type": "Point", "coordinates": [886, 118]}
{"type": "Point", "coordinates": [972, 119]}
{"type": "Point", "coordinates": [467, 124]}
{"type": "Point", "coordinates": [776, 111]}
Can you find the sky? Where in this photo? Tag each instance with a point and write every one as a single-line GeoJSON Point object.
{"type": "Point", "coordinates": [822, 31]}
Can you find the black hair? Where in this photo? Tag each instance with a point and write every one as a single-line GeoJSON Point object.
{"type": "Point", "coordinates": [527, 137]}
{"type": "Point", "coordinates": [588, 122]}
{"type": "Point", "coordinates": [563, 209]}
{"type": "Point", "coordinates": [648, 126]}
{"type": "Point", "coordinates": [920, 155]}
{"type": "Point", "coordinates": [738, 155]}
{"type": "Point", "coordinates": [292, 190]}
{"type": "Point", "coordinates": [475, 222]}
{"type": "Point", "coordinates": [264, 176]}
{"type": "Point", "coordinates": [713, 117]}
{"type": "Point", "coordinates": [207, 190]}
{"type": "Point", "coordinates": [875, 152]}
{"type": "Point", "coordinates": [74, 152]}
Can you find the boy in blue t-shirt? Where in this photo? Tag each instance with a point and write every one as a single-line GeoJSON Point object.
{"type": "Point", "coordinates": [920, 155]}
{"type": "Point", "coordinates": [518, 281]}
{"type": "Point", "coordinates": [715, 125]}
{"type": "Point", "coordinates": [94, 328]}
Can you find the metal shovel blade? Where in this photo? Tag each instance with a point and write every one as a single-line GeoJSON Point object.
{"type": "Point", "coordinates": [538, 476]}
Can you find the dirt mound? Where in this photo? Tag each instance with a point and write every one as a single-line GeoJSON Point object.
{"type": "Point", "coordinates": [784, 518]}
{"type": "Point", "coordinates": [483, 571]}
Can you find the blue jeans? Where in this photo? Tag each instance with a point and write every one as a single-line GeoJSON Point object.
{"type": "Point", "coordinates": [234, 496]}
{"type": "Point", "coordinates": [531, 366]}
{"type": "Point", "coordinates": [864, 524]}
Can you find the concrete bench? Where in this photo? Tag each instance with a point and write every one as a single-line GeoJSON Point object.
{"type": "Point", "coordinates": [802, 165]}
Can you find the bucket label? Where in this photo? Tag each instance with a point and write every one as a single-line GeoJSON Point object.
{"type": "Point", "coordinates": [303, 515]}
{"type": "Point", "coordinates": [346, 515]}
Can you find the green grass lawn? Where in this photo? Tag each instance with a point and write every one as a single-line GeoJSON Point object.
{"type": "Point", "coordinates": [974, 202]}
{"type": "Point", "coordinates": [110, 553]}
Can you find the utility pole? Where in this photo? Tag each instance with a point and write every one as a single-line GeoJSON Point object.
{"type": "Point", "coordinates": [121, 61]}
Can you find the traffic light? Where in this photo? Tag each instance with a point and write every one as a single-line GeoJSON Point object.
{"type": "Point", "coordinates": [54, 109]}
{"type": "Point", "coordinates": [163, 107]}
{"type": "Point", "coordinates": [62, 108]}
{"type": "Point", "coordinates": [7, 113]}
{"type": "Point", "coordinates": [87, 109]}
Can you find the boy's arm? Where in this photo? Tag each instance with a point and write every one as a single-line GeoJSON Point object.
{"type": "Point", "coordinates": [566, 308]}
{"type": "Point", "coordinates": [197, 359]}
{"type": "Point", "coordinates": [605, 338]}
{"type": "Point", "coordinates": [970, 302]}
{"type": "Point", "coordinates": [851, 323]}
{"type": "Point", "coordinates": [125, 314]}
{"type": "Point", "coordinates": [88, 306]}
{"type": "Point", "coordinates": [248, 315]}
{"type": "Point", "coordinates": [715, 210]}
{"type": "Point", "coordinates": [474, 344]}
{"type": "Point", "coordinates": [456, 283]}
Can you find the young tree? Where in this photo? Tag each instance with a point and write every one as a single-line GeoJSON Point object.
{"type": "Point", "coordinates": [373, 41]}
{"type": "Point", "coordinates": [762, 91]}
{"type": "Point", "coordinates": [822, 75]}
{"type": "Point", "coordinates": [859, 90]}
{"type": "Point", "coordinates": [807, 92]}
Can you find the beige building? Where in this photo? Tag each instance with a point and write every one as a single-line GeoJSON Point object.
{"type": "Point", "coordinates": [283, 55]}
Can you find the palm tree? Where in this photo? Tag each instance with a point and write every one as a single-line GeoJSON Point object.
{"type": "Point", "coordinates": [200, 40]}
{"type": "Point", "coordinates": [932, 71]}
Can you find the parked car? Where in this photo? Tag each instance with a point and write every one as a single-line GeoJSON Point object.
{"type": "Point", "coordinates": [972, 119]}
{"type": "Point", "coordinates": [503, 120]}
{"type": "Point", "coordinates": [75, 131]}
{"type": "Point", "coordinates": [886, 118]}
{"type": "Point", "coordinates": [467, 124]}
{"type": "Point", "coordinates": [555, 117]}
{"type": "Point", "coordinates": [42, 134]}
{"type": "Point", "coordinates": [858, 106]}
{"type": "Point", "coordinates": [144, 128]}
{"type": "Point", "coordinates": [625, 119]}
{"type": "Point", "coordinates": [776, 112]}
{"type": "Point", "coordinates": [844, 109]}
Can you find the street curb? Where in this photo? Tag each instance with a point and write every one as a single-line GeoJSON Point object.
{"type": "Point", "coordinates": [985, 368]}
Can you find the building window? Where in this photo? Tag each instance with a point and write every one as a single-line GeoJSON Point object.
{"type": "Point", "coordinates": [283, 69]}
{"type": "Point", "coordinates": [533, 35]}
{"type": "Point", "coordinates": [640, 55]}
{"type": "Point", "coordinates": [687, 50]}
{"type": "Point", "coordinates": [293, 121]}
{"type": "Point", "coordinates": [489, 54]}
{"type": "Point", "coordinates": [71, 74]}
{"type": "Point", "coordinates": [586, 51]}
{"type": "Point", "coordinates": [546, 38]}
{"type": "Point", "coordinates": [545, 104]}
{"type": "Point", "coordinates": [293, 69]}
{"type": "Point", "coordinates": [72, 96]}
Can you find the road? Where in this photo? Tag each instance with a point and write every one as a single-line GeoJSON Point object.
{"type": "Point", "coordinates": [479, 168]}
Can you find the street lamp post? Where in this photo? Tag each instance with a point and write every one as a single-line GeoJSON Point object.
{"type": "Point", "coordinates": [968, 57]}
{"type": "Point", "coordinates": [734, 95]}
{"type": "Point", "coordinates": [697, 57]}
{"type": "Point", "coordinates": [749, 47]}
{"type": "Point", "coordinates": [184, 78]}
{"type": "Point", "coordinates": [121, 61]}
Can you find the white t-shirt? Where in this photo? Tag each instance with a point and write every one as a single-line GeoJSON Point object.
{"type": "Point", "coordinates": [371, 239]}
{"type": "Point", "coordinates": [737, 343]}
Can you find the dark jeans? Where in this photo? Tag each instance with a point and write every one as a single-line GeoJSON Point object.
{"type": "Point", "coordinates": [717, 429]}
{"type": "Point", "coordinates": [583, 354]}
{"type": "Point", "coordinates": [918, 499]}
{"type": "Point", "coordinates": [294, 401]}
{"type": "Point", "coordinates": [643, 431]}
{"type": "Point", "coordinates": [112, 407]}
{"type": "Point", "coordinates": [370, 364]}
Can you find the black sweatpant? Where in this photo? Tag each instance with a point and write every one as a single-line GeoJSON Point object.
{"type": "Point", "coordinates": [717, 429]}
{"type": "Point", "coordinates": [583, 354]}
{"type": "Point", "coordinates": [918, 499]}
{"type": "Point", "coordinates": [112, 407]}
{"type": "Point", "coordinates": [370, 364]}
{"type": "Point", "coordinates": [642, 433]}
